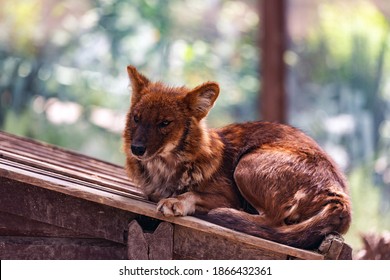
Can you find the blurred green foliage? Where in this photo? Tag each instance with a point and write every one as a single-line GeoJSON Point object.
{"type": "Point", "coordinates": [366, 198]}
{"type": "Point", "coordinates": [339, 93]}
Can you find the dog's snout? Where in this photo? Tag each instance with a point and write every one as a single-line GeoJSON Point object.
{"type": "Point", "coordinates": [138, 150]}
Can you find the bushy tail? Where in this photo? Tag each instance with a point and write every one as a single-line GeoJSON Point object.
{"type": "Point", "coordinates": [307, 234]}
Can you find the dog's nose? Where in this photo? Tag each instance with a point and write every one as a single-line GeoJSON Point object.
{"type": "Point", "coordinates": [138, 150]}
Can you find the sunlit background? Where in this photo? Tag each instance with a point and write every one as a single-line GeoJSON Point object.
{"type": "Point", "coordinates": [63, 75]}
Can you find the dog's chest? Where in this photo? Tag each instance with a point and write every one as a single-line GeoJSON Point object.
{"type": "Point", "coordinates": [165, 179]}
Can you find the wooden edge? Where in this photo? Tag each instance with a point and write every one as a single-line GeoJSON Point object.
{"type": "Point", "coordinates": [149, 209]}
{"type": "Point", "coordinates": [160, 242]}
{"type": "Point", "coordinates": [346, 252]}
{"type": "Point", "coordinates": [59, 248]}
{"type": "Point", "coordinates": [5, 136]}
{"type": "Point", "coordinates": [137, 246]}
{"type": "Point", "coordinates": [75, 173]}
{"type": "Point", "coordinates": [81, 183]}
{"type": "Point", "coordinates": [334, 248]}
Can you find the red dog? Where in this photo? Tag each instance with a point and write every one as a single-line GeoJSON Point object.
{"type": "Point", "coordinates": [265, 179]}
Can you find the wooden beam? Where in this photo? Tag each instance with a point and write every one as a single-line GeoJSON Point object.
{"type": "Point", "coordinates": [53, 248]}
{"type": "Point", "coordinates": [334, 248]}
{"type": "Point", "coordinates": [14, 225]}
{"type": "Point", "coordinates": [273, 44]}
{"type": "Point", "coordinates": [57, 209]}
{"type": "Point", "coordinates": [193, 244]}
{"type": "Point", "coordinates": [157, 245]}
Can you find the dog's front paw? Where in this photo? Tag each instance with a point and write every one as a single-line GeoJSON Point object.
{"type": "Point", "coordinates": [170, 207]}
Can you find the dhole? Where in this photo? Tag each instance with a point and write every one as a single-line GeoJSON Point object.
{"type": "Point", "coordinates": [266, 179]}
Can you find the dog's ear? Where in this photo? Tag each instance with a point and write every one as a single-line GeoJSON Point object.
{"type": "Point", "coordinates": [201, 99]}
{"type": "Point", "coordinates": [138, 82]}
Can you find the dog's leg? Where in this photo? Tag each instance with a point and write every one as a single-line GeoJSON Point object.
{"type": "Point", "coordinates": [190, 202]}
{"type": "Point", "coordinates": [182, 205]}
{"type": "Point", "coordinates": [260, 185]}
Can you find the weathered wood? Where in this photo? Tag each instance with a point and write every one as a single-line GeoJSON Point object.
{"type": "Point", "coordinates": [81, 179]}
{"type": "Point", "coordinates": [346, 252]}
{"type": "Point", "coordinates": [59, 161]}
{"type": "Point", "coordinates": [192, 244]}
{"type": "Point", "coordinates": [40, 248]}
{"type": "Point", "coordinates": [161, 242]}
{"type": "Point", "coordinates": [13, 225]}
{"type": "Point", "coordinates": [332, 247]}
{"type": "Point", "coordinates": [46, 151]}
{"type": "Point", "coordinates": [137, 246]}
{"type": "Point", "coordinates": [157, 245]}
{"type": "Point", "coordinates": [63, 211]}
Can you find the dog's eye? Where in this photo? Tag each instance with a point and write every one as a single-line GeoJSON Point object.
{"type": "Point", "coordinates": [136, 119]}
{"type": "Point", "coordinates": [164, 124]}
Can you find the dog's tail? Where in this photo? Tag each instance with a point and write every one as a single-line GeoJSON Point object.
{"type": "Point", "coordinates": [307, 234]}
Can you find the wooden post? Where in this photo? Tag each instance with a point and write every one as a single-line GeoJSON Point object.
{"type": "Point", "coordinates": [150, 246]}
{"type": "Point", "coordinates": [273, 41]}
{"type": "Point", "coordinates": [334, 248]}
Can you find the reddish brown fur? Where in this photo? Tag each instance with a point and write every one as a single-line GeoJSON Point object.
{"type": "Point", "coordinates": [292, 189]}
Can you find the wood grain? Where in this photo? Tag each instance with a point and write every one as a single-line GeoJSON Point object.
{"type": "Point", "coordinates": [56, 209]}
{"type": "Point", "coordinates": [44, 248]}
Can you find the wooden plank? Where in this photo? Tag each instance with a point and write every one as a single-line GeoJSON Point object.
{"type": "Point", "coordinates": [346, 252]}
{"type": "Point", "coordinates": [157, 245]}
{"type": "Point", "coordinates": [71, 171]}
{"type": "Point", "coordinates": [137, 246]}
{"type": "Point", "coordinates": [58, 160]}
{"type": "Point", "coordinates": [273, 40]}
{"type": "Point", "coordinates": [63, 211]}
{"type": "Point", "coordinates": [80, 182]}
{"type": "Point", "coordinates": [47, 150]}
{"type": "Point", "coordinates": [62, 158]}
{"type": "Point", "coordinates": [13, 225]}
{"type": "Point", "coordinates": [160, 242]}
{"type": "Point", "coordinates": [193, 244]}
{"type": "Point", "coordinates": [44, 158]}
{"type": "Point", "coordinates": [39, 248]}
{"type": "Point", "coordinates": [149, 209]}
{"type": "Point", "coordinates": [334, 248]}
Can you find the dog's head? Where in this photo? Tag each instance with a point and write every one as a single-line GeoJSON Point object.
{"type": "Point", "coordinates": [161, 117]}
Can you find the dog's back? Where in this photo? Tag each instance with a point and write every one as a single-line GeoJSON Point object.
{"type": "Point", "coordinates": [297, 190]}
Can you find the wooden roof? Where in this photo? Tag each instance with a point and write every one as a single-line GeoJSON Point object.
{"type": "Point", "coordinates": [80, 176]}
